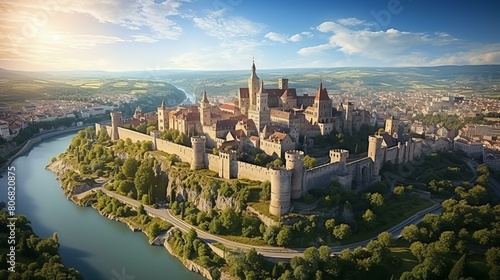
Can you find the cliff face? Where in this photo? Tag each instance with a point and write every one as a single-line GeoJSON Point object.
{"type": "Point", "coordinates": [203, 196]}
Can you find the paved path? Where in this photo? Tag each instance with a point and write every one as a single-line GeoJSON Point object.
{"type": "Point", "coordinates": [273, 252]}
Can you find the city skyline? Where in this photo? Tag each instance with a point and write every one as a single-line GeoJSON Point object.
{"type": "Point", "coordinates": [228, 34]}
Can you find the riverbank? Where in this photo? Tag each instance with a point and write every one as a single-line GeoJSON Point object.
{"type": "Point", "coordinates": [84, 196]}
{"type": "Point", "coordinates": [26, 146]}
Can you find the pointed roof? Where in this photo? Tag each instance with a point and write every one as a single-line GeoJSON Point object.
{"type": "Point", "coordinates": [254, 73]}
{"type": "Point", "coordinates": [322, 93]}
{"type": "Point", "coordinates": [204, 98]}
{"type": "Point", "coordinates": [261, 90]}
{"type": "Point", "coordinates": [162, 104]}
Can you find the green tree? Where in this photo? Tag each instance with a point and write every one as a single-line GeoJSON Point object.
{"type": "Point", "coordinates": [230, 220]}
{"type": "Point", "coordinates": [399, 191]}
{"type": "Point", "coordinates": [129, 167]}
{"type": "Point", "coordinates": [284, 236]}
{"type": "Point", "coordinates": [309, 161]}
{"type": "Point", "coordinates": [265, 193]}
{"type": "Point", "coordinates": [342, 231]}
{"type": "Point", "coordinates": [369, 219]}
{"type": "Point", "coordinates": [144, 179]}
{"type": "Point", "coordinates": [377, 201]}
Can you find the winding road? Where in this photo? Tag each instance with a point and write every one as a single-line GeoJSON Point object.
{"type": "Point", "coordinates": [270, 252]}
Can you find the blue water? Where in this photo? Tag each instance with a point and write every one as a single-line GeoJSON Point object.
{"type": "Point", "coordinates": [99, 248]}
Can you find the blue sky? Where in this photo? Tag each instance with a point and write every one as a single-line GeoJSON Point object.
{"type": "Point", "coordinates": [121, 35]}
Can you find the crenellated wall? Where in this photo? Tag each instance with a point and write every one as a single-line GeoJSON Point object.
{"type": "Point", "coordinates": [291, 181]}
{"type": "Point", "coordinates": [319, 177]}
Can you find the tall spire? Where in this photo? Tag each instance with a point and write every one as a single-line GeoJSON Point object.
{"type": "Point", "coordinates": [254, 70]}
{"type": "Point", "coordinates": [204, 98]}
{"type": "Point", "coordinates": [261, 90]}
{"type": "Point", "coordinates": [163, 103]}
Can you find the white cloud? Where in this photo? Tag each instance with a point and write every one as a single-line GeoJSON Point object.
{"type": "Point", "coordinates": [144, 39]}
{"type": "Point", "coordinates": [295, 38]}
{"type": "Point", "coordinates": [221, 26]}
{"type": "Point", "coordinates": [273, 36]}
{"type": "Point", "coordinates": [476, 55]}
{"type": "Point", "coordinates": [283, 38]}
{"type": "Point", "coordinates": [350, 21]}
{"type": "Point", "coordinates": [381, 45]}
{"type": "Point", "coordinates": [132, 14]}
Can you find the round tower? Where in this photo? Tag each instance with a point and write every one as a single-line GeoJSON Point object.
{"type": "Point", "coordinates": [198, 157]}
{"type": "Point", "coordinates": [281, 183]}
{"type": "Point", "coordinates": [339, 155]}
{"type": "Point", "coordinates": [295, 161]}
{"type": "Point", "coordinates": [375, 152]}
{"type": "Point", "coordinates": [116, 120]}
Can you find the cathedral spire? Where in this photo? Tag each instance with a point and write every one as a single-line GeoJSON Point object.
{"type": "Point", "coordinates": [204, 98]}
{"type": "Point", "coordinates": [163, 103]}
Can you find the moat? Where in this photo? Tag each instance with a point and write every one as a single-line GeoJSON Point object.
{"type": "Point", "coordinates": [97, 247]}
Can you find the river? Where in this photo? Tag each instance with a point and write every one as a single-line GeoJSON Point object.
{"type": "Point", "coordinates": [190, 98]}
{"type": "Point", "coordinates": [99, 248]}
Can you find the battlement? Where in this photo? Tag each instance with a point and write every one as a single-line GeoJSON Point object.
{"type": "Point", "coordinates": [294, 155]}
{"type": "Point", "coordinates": [198, 139]}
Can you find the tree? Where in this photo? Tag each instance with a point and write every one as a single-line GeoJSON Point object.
{"type": "Point", "coordinates": [129, 167]}
{"type": "Point", "coordinates": [369, 219]}
{"type": "Point", "coordinates": [399, 191]}
{"type": "Point", "coordinates": [284, 236]}
{"type": "Point", "coordinates": [342, 231]}
{"type": "Point", "coordinates": [493, 257]}
{"type": "Point", "coordinates": [457, 272]}
{"type": "Point", "coordinates": [377, 201]}
{"type": "Point", "coordinates": [385, 239]}
{"type": "Point", "coordinates": [330, 224]}
{"type": "Point", "coordinates": [309, 161]}
{"type": "Point", "coordinates": [265, 193]}
{"type": "Point", "coordinates": [271, 234]}
{"type": "Point", "coordinates": [311, 255]}
{"type": "Point", "coordinates": [230, 220]}
{"type": "Point", "coordinates": [144, 179]}
{"type": "Point", "coordinates": [411, 233]}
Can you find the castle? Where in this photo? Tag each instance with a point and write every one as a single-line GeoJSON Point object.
{"type": "Point", "coordinates": [265, 119]}
{"type": "Point", "coordinates": [254, 118]}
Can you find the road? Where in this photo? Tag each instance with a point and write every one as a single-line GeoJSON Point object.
{"type": "Point", "coordinates": [271, 252]}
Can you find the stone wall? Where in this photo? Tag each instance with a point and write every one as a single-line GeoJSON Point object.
{"type": "Point", "coordinates": [319, 177]}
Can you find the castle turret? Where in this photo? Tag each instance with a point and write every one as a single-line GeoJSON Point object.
{"type": "Point", "coordinates": [281, 182]}
{"type": "Point", "coordinates": [162, 117]}
{"type": "Point", "coordinates": [295, 161]}
{"type": "Point", "coordinates": [226, 160]}
{"type": "Point", "coordinates": [391, 126]}
{"type": "Point", "coordinates": [339, 155]}
{"type": "Point", "coordinates": [116, 120]}
{"type": "Point", "coordinates": [205, 110]}
{"type": "Point", "coordinates": [198, 158]}
{"type": "Point", "coordinates": [376, 152]}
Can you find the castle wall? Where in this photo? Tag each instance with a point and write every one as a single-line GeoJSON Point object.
{"type": "Point", "coordinates": [361, 172]}
{"type": "Point", "coordinates": [320, 176]}
{"type": "Point", "coordinates": [213, 162]}
{"type": "Point", "coordinates": [253, 172]}
{"type": "Point", "coordinates": [391, 154]}
{"type": "Point", "coordinates": [184, 153]}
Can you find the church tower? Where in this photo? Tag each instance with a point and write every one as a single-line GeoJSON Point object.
{"type": "Point", "coordinates": [322, 106]}
{"type": "Point", "coordinates": [253, 86]}
{"type": "Point", "coordinates": [260, 113]}
{"type": "Point", "coordinates": [162, 117]}
{"type": "Point", "coordinates": [205, 110]}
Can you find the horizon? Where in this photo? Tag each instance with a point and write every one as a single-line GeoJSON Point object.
{"type": "Point", "coordinates": [224, 35]}
{"type": "Point", "coordinates": [243, 70]}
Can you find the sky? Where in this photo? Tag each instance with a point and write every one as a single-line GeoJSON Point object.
{"type": "Point", "coordinates": [124, 35]}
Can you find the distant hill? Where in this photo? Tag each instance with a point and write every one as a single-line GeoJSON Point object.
{"type": "Point", "coordinates": [17, 86]}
